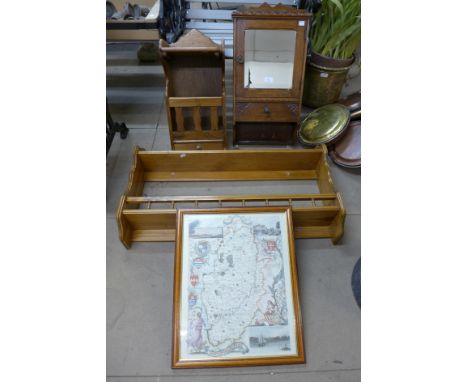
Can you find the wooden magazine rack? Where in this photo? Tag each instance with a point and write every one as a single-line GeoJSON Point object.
{"type": "Point", "coordinates": [153, 218]}
{"type": "Point", "coordinates": [195, 92]}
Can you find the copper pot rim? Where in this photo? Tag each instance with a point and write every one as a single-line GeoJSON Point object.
{"type": "Point", "coordinates": [342, 161]}
{"type": "Point", "coordinates": [348, 163]}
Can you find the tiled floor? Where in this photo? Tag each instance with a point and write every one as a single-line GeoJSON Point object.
{"type": "Point", "coordinates": [139, 280]}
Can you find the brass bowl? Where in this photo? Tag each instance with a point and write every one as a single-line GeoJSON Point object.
{"type": "Point", "coordinates": [324, 125]}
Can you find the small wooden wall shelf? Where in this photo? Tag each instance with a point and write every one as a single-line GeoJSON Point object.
{"type": "Point", "coordinates": [147, 218]}
{"type": "Point", "coordinates": [195, 92]}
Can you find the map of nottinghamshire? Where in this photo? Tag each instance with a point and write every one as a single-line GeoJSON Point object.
{"type": "Point", "coordinates": [236, 291]}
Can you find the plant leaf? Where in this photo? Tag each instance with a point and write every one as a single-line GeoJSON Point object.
{"type": "Point", "coordinates": [336, 29]}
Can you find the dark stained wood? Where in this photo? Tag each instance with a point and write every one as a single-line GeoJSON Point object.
{"type": "Point", "coordinates": [193, 39]}
{"type": "Point", "coordinates": [262, 133]}
{"type": "Point", "coordinates": [197, 118]}
{"type": "Point", "coordinates": [179, 119]}
{"type": "Point", "coordinates": [194, 70]}
{"type": "Point", "coordinates": [267, 11]}
{"type": "Point", "coordinates": [199, 101]}
{"type": "Point", "coordinates": [251, 120]}
{"type": "Point", "coordinates": [187, 136]}
{"type": "Point", "coordinates": [267, 112]}
{"type": "Point", "coordinates": [199, 145]}
{"type": "Point", "coordinates": [214, 117]}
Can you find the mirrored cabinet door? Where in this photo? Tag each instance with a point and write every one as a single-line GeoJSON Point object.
{"type": "Point", "coordinates": [269, 58]}
{"type": "Point", "coordinates": [270, 44]}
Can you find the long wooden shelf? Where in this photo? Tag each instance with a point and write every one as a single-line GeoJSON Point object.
{"type": "Point", "coordinates": [153, 218]}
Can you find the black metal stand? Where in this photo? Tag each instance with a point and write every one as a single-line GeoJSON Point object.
{"type": "Point", "coordinates": [112, 128]}
{"type": "Point", "coordinates": [172, 19]}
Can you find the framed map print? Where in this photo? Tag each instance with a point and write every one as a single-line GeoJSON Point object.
{"type": "Point", "coordinates": [236, 299]}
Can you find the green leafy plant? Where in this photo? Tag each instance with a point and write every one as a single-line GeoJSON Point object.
{"type": "Point", "coordinates": [336, 27]}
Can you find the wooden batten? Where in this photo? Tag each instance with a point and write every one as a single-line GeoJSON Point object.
{"type": "Point", "coordinates": [210, 135]}
{"type": "Point", "coordinates": [213, 118]}
{"type": "Point", "coordinates": [135, 187]}
{"type": "Point", "coordinates": [190, 102]}
{"type": "Point", "coordinates": [179, 119]}
{"type": "Point", "coordinates": [324, 180]}
{"type": "Point", "coordinates": [322, 218]}
{"type": "Point", "coordinates": [226, 198]}
{"type": "Point", "coordinates": [337, 226]}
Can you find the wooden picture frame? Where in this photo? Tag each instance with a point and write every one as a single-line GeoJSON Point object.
{"type": "Point", "coordinates": [222, 319]}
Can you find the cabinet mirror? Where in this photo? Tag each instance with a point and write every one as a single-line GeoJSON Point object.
{"type": "Point", "coordinates": [269, 59]}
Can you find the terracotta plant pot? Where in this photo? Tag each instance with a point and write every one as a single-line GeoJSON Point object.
{"type": "Point", "coordinates": [324, 79]}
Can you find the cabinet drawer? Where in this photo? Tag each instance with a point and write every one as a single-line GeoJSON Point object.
{"type": "Point", "coordinates": [267, 112]}
{"type": "Point", "coordinates": [199, 146]}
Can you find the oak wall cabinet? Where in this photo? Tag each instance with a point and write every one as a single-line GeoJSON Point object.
{"type": "Point", "coordinates": [195, 92]}
{"type": "Point", "coordinates": [270, 45]}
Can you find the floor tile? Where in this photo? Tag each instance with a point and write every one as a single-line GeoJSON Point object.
{"type": "Point", "coordinates": [162, 123]}
{"type": "Point", "coordinates": [139, 298]}
{"type": "Point", "coordinates": [348, 183]}
{"type": "Point", "coordinates": [139, 306]}
{"type": "Point", "coordinates": [331, 317]}
{"type": "Point", "coordinates": [163, 140]}
{"type": "Point", "coordinates": [312, 376]}
{"type": "Point", "coordinates": [136, 109]}
{"type": "Point", "coordinates": [112, 155]}
{"type": "Point", "coordinates": [135, 92]}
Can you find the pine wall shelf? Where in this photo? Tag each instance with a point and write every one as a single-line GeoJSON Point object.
{"type": "Point", "coordinates": [143, 218]}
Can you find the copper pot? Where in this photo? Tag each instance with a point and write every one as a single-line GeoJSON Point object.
{"type": "Point", "coordinates": [347, 151]}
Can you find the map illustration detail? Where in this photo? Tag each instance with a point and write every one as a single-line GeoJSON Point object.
{"type": "Point", "coordinates": [236, 294]}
